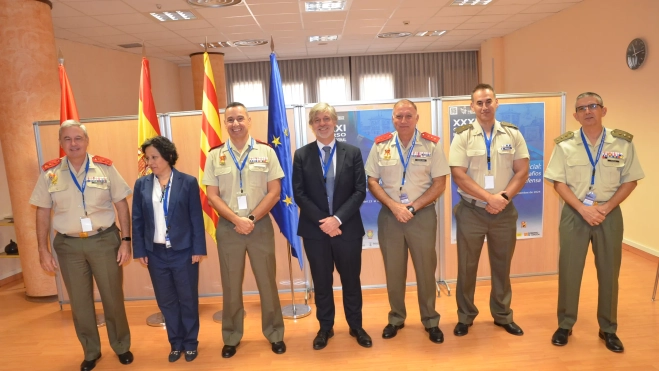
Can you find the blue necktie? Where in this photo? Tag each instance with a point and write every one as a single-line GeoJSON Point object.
{"type": "Point", "coordinates": [329, 181]}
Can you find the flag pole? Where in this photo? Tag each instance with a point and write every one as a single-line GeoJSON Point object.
{"type": "Point", "coordinates": [294, 311]}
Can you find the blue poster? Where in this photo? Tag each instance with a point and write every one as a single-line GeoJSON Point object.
{"type": "Point", "coordinates": [530, 119]}
{"type": "Point", "coordinates": [360, 128]}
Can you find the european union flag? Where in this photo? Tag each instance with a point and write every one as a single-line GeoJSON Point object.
{"type": "Point", "coordinates": [285, 211]}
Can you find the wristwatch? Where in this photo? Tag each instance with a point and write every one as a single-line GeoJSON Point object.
{"type": "Point", "coordinates": [251, 217]}
{"type": "Point", "coordinates": [126, 239]}
{"type": "Point", "coordinates": [411, 209]}
{"type": "Point", "coordinates": [505, 196]}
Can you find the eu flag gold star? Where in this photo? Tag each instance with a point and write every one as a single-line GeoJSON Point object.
{"type": "Point", "coordinates": [276, 142]}
{"type": "Point", "coordinates": [288, 201]}
{"type": "Point", "coordinates": [286, 132]}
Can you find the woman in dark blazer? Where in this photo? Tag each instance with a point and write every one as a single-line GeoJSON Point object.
{"type": "Point", "coordinates": [169, 238]}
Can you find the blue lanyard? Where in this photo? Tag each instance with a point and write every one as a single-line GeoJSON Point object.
{"type": "Point", "coordinates": [488, 143]}
{"type": "Point", "coordinates": [590, 155]}
{"type": "Point", "coordinates": [329, 161]}
{"type": "Point", "coordinates": [165, 196]}
{"type": "Point", "coordinates": [409, 154]}
{"type": "Point", "coordinates": [84, 182]}
{"type": "Point", "coordinates": [242, 166]}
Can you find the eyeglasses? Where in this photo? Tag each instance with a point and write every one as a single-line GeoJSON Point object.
{"type": "Point", "coordinates": [592, 107]}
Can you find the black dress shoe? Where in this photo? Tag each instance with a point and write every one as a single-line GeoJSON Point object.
{"type": "Point", "coordinates": [461, 329]}
{"type": "Point", "coordinates": [320, 341]}
{"type": "Point", "coordinates": [190, 355]}
{"type": "Point", "coordinates": [279, 347]}
{"type": "Point", "coordinates": [391, 330]}
{"type": "Point", "coordinates": [362, 337]}
{"type": "Point", "coordinates": [436, 335]}
{"type": "Point", "coordinates": [229, 351]}
{"type": "Point", "coordinates": [612, 342]}
{"type": "Point", "coordinates": [126, 358]}
{"type": "Point", "coordinates": [560, 337]}
{"type": "Point", "coordinates": [89, 365]}
{"type": "Point", "coordinates": [174, 355]}
{"type": "Point", "coordinates": [511, 328]}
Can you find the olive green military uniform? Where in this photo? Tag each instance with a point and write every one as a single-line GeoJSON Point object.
{"type": "Point", "coordinates": [468, 150]}
{"type": "Point", "coordinates": [81, 258]}
{"type": "Point", "coordinates": [262, 166]}
{"type": "Point", "coordinates": [418, 234]}
{"type": "Point", "coordinates": [570, 164]}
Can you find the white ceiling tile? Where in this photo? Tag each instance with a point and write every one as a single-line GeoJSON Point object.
{"type": "Point", "coordinates": [150, 5]}
{"type": "Point", "coordinates": [489, 18]}
{"type": "Point", "coordinates": [282, 27]}
{"type": "Point", "coordinates": [517, 2]}
{"type": "Point", "coordinates": [147, 27]}
{"type": "Point", "coordinates": [362, 31]}
{"type": "Point", "coordinates": [374, 4]}
{"type": "Point", "coordinates": [239, 30]}
{"type": "Point", "coordinates": [369, 14]}
{"type": "Point", "coordinates": [198, 32]}
{"type": "Point", "coordinates": [232, 11]}
{"type": "Point", "coordinates": [475, 26]}
{"type": "Point", "coordinates": [503, 9]}
{"type": "Point", "coordinates": [63, 10]}
{"type": "Point", "coordinates": [186, 25]}
{"type": "Point", "coordinates": [561, 1]}
{"type": "Point", "coordinates": [224, 23]}
{"type": "Point", "coordinates": [247, 36]}
{"type": "Point", "coordinates": [116, 39]}
{"type": "Point", "coordinates": [76, 22]}
{"type": "Point", "coordinates": [101, 7]}
{"type": "Point", "coordinates": [415, 12]}
{"type": "Point", "coordinates": [190, 48]}
{"type": "Point", "coordinates": [451, 19]}
{"type": "Point", "coordinates": [324, 25]}
{"type": "Point", "coordinates": [323, 17]}
{"type": "Point", "coordinates": [275, 8]}
{"type": "Point", "coordinates": [463, 32]}
{"type": "Point", "coordinates": [411, 48]}
{"type": "Point", "coordinates": [547, 8]}
{"type": "Point", "coordinates": [98, 31]}
{"type": "Point", "coordinates": [61, 33]}
{"type": "Point", "coordinates": [515, 24]}
{"type": "Point", "coordinates": [366, 23]}
{"type": "Point", "coordinates": [430, 25]}
{"type": "Point", "coordinates": [168, 41]}
{"type": "Point", "coordinates": [82, 40]}
{"type": "Point", "coordinates": [528, 17]}
{"type": "Point", "coordinates": [266, 20]}
{"type": "Point", "coordinates": [495, 33]}
{"type": "Point", "coordinates": [155, 35]}
{"type": "Point", "coordinates": [125, 19]}
{"type": "Point", "coordinates": [459, 11]}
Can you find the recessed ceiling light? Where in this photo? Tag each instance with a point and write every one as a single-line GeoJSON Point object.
{"type": "Point", "coordinates": [324, 38]}
{"type": "Point", "coordinates": [430, 33]}
{"type": "Point", "coordinates": [214, 3]}
{"type": "Point", "coordinates": [324, 6]}
{"type": "Point", "coordinates": [219, 44]}
{"type": "Point", "coordinates": [250, 42]}
{"type": "Point", "coordinates": [470, 2]}
{"type": "Point", "coordinates": [393, 35]}
{"type": "Point", "coordinates": [128, 46]}
{"type": "Point", "coordinates": [174, 15]}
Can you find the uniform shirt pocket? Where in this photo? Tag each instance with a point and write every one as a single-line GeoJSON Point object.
{"type": "Point", "coordinates": [611, 170]}
{"type": "Point", "coordinates": [61, 198]}
{"type": "Point", "coordinates": [389, 169]}
{"type": "Point", "coordinates": [578, 170]}
{"type": "Point", "coordinates": [506, 156]}
{"type": "Point", "coordinates": [476, 158]}
{"type": "Point", "coordinates": [258, 175]}
{"type": "Point", "coordinates": [97, 196]}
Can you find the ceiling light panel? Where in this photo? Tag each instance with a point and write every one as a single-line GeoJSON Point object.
{"type": "Point", "coordinates": [324, 38]}
{"type": "Point", "coordinates": [430, 33]}
{"type": "Point", "coordinates": [174, 15]}
{"type": "Point", "coordinates": [324, 6]}
{"type": "Point", "coordinates": [470, 2]}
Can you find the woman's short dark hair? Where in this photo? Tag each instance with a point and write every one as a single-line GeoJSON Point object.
{"type": "Point", "coordinates": [165, 147]}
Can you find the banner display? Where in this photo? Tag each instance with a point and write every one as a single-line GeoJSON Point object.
{"type": "Point", "coordinates": [530, 119]}
{"type": "Point", "coordinates": [360, 128]}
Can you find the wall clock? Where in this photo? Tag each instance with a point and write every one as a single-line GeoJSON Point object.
{"type": "Point", "coordinates": [636, 53]}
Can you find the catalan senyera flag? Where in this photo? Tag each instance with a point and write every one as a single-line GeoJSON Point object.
{"type": "Point", "coordinates": [211, 137]}
{"type": "Point", "coordinates": [68, 109]}
{"type": "Point", "coordinates": [147, 122]}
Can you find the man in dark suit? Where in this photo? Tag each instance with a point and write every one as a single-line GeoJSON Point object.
{"type": "Point", "coordinates": [329, 185]}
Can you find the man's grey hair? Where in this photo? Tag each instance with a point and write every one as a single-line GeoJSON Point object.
{"type": "Point", "coordinates": [72, 123]}
{"type": "Point", "coordinates": [590, 94]}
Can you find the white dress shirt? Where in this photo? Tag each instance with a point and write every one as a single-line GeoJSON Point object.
{"type": "Point", "coordinates": [159, 221]}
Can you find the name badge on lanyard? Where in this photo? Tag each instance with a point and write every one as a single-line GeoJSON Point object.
{"type": "Point", "coordinates": [489, 178]}
{"type": "Point", "coordinates": [241, 197]}
{"type": "Point", "coordinates": [405, 162]}
{"type": "Point", "coordinates": [590, 196]}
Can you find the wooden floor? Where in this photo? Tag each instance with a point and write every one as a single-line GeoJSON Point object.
{"type": "Point", "coordinates": [36, 336]}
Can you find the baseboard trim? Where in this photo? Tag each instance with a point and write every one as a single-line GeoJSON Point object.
{"type": "Point", "coordinates": [16, 277]}
{"type": "Point", "coordinates": [640, 250]}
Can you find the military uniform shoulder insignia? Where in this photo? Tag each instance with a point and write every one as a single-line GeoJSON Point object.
{"type": "Point", "coordinates": [564, 137]}
{"type": "Point", "coordinates": [102, 160]}
{"type": "Point", "coordinates": [509, 125]}
{"type": "Point", "coordinates": [383, 138]}
{"type": "Point", "coordinates": [462, 128]}
{"type": "Point", "coordinates": [51, 164]}
{"type": "Point", "coordinates": [217, 146]}
{"type": "Point", "coordinates": [617, 133]}
{"type": "Point", "coordinates": [262, 142]}
{"type": "Point", "coordinates": [430, 137]}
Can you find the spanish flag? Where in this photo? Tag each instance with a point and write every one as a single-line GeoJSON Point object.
{"type": "Point", "coordinates": [68, 109]}
{"type": "Point", "coordinates": [211, 137]}
{"type": "Point", "coordinates": [147, 122]}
